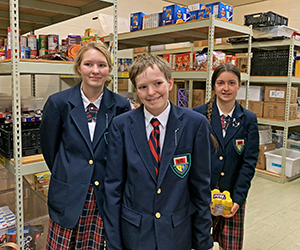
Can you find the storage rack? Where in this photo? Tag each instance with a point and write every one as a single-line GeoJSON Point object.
{"type": "Point", "coordinates": [29, 16]}
{"type": "Point", "coordinates": [206, 29]}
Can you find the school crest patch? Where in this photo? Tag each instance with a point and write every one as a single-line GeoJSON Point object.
{"type": "Point", "coordinates": [240, 145]}
{"type": "Point", "coordinates": [181, 164]}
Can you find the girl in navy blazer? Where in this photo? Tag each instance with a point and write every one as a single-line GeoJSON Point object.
{"type": "Point", "coordinates": [234, 154]}
{"type": "Point", "coordinates": [74, 142]}
{"type": "Point", "coordinates": [163, 206]}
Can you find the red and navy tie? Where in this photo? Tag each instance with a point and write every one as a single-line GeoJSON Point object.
{"type": "Point", "coordinates": [91, 112]}
{"type": "Point", "coordinates": [225, 120]}
{"type": "Point", "coordinates": [154, 144]}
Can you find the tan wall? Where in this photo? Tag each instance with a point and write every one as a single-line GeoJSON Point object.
{"type": "Point", "coordinates": [288, 8]}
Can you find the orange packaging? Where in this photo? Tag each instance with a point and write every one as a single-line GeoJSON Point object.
{"type": "Point", "coordinates": [170, 58]}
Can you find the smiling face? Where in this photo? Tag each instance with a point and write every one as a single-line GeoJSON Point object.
{"type": "Point", "coordinates": [226, 86]}
{"type": "Point", "coordinates": [94, 70]}
{"type": "Point", "coordinates": [153, 89]}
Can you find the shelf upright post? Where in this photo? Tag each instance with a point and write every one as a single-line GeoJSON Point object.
{"type": "Point", "coordinates": [33, 93]}
{"type": "Point", "coordinates": [248, 66]}
{"type": "Point", "coordinates": [115, 41]}
{"type": "Point", "coordinates": [191, 82]}
{"type": "Point", "coordinates": [287, 108]}
{"type": "Point", "coordinates": [16, 112]}
{"type": "Point", "coordinates": [211, 33]}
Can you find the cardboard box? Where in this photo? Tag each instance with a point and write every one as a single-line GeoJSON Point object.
{"type": "Point", "coordinates": [140, 50]}
{"type": "Point", "coordinates": [198, 97]}
{"type": "Point", "coordinates": [257, 107]}
{"type": "Point", "coordinates": [217, 41]}
{"type": "Point", "coordinates": [170, 58]}
{"type": "Point", "coordinates": [174, 14]}
{"type": "Point", "coordinates": [277, 110]}
{"type": "Point", "coordinates": [278, 94]}
{"type": "Point", "coordinates": [219, 10]}
{"type": "Point", "coordinates": [136, 21]}
{"type": "Point", "coordinates": [123, 84]}
{"type": "Point", "coordinates": [265, 134]}
{"type": "Point", "coordinates": [173, 94]}
{"type": "Point", "coordinates": [196, 6]}
{"type": "Point", "coordinates": [256, 93]}
{"type": "Point", "coordinates": [261, 163]}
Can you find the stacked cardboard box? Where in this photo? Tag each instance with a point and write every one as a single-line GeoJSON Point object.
{"type": "Point", "coordinates": [274, 104]}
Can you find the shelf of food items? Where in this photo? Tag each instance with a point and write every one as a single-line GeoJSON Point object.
{"type": "Point", "coordinates": [35, 208]}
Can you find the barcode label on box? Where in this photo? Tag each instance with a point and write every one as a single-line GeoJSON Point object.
{"type": "Point", "coordinates": [276, 94]}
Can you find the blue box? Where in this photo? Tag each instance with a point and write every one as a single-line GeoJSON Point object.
{"type": "Point", "coordinates": [174, 14]}
{"type": "Point", "coordinates": [201, 14]}
{"type": "Point", "coordinates": [136, 21]}
{"type": "Point", "coordinates": [194, 15]}
{"type": "Point", "coordinates": [219, 10]}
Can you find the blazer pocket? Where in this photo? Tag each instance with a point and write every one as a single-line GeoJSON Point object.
{"type": "Point", "coordinates": [131, 216]}
{"type": "Point", "coordinates": [58, 195]}
{"type": "Point", "coordinates": [180, 215]}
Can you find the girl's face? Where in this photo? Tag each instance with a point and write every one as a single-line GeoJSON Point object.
{"type": "Point", "coordinates": [226, 87]}
{"type": "Point", "coordinates": [94, 69]}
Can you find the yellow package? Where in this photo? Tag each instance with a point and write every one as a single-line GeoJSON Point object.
{"type": "Point", "coordinates": [221, 203]}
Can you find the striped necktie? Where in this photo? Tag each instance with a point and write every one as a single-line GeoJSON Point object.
{"type": "Point", "coordinates": [91, 112]}
{"type": "Point", "coordinates": [154, 144]}
{"type": "Point", "coordinates": [225, 120]}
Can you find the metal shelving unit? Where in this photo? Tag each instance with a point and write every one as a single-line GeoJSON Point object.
{"type": "Point", "coordinates": [288, 80]}
{"type": "Point", "coordinates": [24, 17]}
{"type": "Point", "coordinates": [206, 29]}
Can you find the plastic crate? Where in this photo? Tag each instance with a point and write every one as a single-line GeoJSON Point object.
{"type": "Point", "coordinates": [292, 162]}
{"type": "Point", "coordinates": [30, 139]}
{"type": "Point", "coordinates": [264, 19]}
{"type": "Point", "coordinates": [273, 31]}
{"type": "Point", "coordinates": [183, 98]}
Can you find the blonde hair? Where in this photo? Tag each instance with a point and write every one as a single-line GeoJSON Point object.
{"type": "Point", "coordinates": [101, 47]}
{"type": "Point", "coordinates": [148, 60]}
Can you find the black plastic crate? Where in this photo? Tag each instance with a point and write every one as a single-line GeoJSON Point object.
{"type": "Point", "coordinates": [30, 139]}
{"type": "Point", "coordinates": [271, 63]}
{"type": "Point", "coordinates": [264, 19]}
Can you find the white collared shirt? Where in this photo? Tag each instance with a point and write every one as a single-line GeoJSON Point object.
{"type": "Point", "coordinates": [86, 102]}
{"type": "Point", "coordinates": [229, 114]}
{"type": "Point", "coordinates": [163, 119]}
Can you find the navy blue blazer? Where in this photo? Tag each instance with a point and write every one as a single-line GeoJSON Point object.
{"type": "Point", "coordinates": [171, 212]}
{"type": "Point", "coordinates": [74, 161]}
{"type": "Point", "coordinates": [233, 166]}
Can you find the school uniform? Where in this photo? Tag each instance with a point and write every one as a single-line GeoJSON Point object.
{"type": "Point", "coordinates": [75, 156]}
{"type": "Point", "coordinates": [233, 166]}
{"type": "Point", "coordinates": [169, 211]}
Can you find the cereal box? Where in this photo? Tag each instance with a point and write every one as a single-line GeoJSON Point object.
{"type": "Point", "coordinates": [136, 21]}
{"type": "Point", "coordinates": [219, 10]}
{"type": "Point", "coordinates": [174, 14]}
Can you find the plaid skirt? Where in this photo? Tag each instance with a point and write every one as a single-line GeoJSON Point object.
{"type": "Point", "coordinates": [87, 234]}
{"type": "Point", "coordinates": [229, 232]}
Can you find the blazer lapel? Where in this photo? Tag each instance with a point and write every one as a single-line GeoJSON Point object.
{"type": "Point", "coordinates": [216, 125]}
{"type": "Point", "coordinates": [236, 122]}
{"type": "Point", "coordinates": [104, 116]}
{"type": "Point", "coordinates": [139, 137]}
{"type": "Point", "coordinates": [173, 134]}
{"type": "Point", "coordinates": [78, 114]}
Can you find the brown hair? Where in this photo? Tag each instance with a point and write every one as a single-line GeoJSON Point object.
{"type": "Point", "coordinates": [148, 60]}
{"type": "Point", "coordinates": [225, 67]}
{"type": "Point", "coordinates": [101, 47]}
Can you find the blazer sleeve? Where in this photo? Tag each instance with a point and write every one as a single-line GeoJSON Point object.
{"type": "Point", "coordinates": [250, 158]}
{"type": "Point", "coordinates": [50, 131]}
{"type": "Point", "coordinates": [113, 186]}
{"type": "Point", "coordinates": [199, 183]}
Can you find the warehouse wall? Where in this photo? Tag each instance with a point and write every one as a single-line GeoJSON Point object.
{"type": "Point", "coordinates": [288, 8]}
